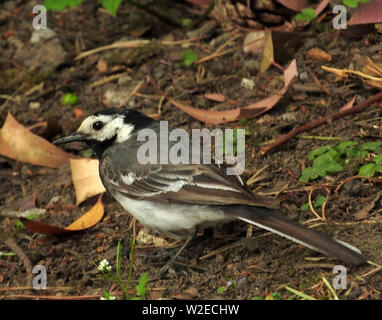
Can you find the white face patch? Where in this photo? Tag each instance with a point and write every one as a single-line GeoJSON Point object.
{"type": "Point", "coordinates": [112, 126]}
{"type": "Point", "coordinates": [124, 133]}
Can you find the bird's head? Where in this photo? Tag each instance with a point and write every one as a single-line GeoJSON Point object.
{"type": "Point", "coordinates": [104, 128]}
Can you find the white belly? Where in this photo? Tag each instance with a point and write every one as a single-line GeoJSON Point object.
{"type": "Point", "coordinates": [173, 220]}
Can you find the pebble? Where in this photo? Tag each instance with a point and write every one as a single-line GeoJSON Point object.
{"type": "Point", "coordinates": [42, 34]}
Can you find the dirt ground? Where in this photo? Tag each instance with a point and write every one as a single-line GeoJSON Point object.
{"type": "Point", "coordinates": [249, 267]}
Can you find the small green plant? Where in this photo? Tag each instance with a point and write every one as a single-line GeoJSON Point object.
{"type": "Point", "coordinates": [306, 15]}
{"type": "Point", "coordinates": [368, 170]}
{"type": "Point", "coordinates": [272, 296]}
{"type": "Point", "coordinates": [108, 274]}
{"type": "Point", "coordinates": [221, 289]}
{"type": "Point", "coordinates": [32, 216]}
{"type": "Point", "coordinates": [331, 159]}
{"type": "Point", "coordinates": [87, 153]}
{"type": "Point", "coordinates": [188, 57]}
{"type": "Point", "coordinates": [231, 285]}
{"type": "Point", "coordinates": [186, 23]}
{"type": "Point", "coordinates": [317, 203]}
{"type": "Point", "coordinates": [353, 3]}
{"type": "Point", "coordinates": [233, 141]}
{"type": "Point", "coordinates": [58, 5]}
{"type": "Point", "coordinates": [107, 296]}
{"type": "Point", "coordinates": [69, 98]}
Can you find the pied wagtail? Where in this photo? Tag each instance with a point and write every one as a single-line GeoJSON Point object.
{"type": "Point", "coordinates": [179, 199]}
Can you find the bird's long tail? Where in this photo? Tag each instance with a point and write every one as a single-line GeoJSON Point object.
{"type": "Point", "coordinates": [271, 221]}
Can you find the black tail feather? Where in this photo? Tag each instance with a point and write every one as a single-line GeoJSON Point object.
{"type": "Point", "coordinates": [271, 221]}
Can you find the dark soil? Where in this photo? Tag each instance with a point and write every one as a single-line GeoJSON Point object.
{"type": "Point", "coordinates": [257, 266]}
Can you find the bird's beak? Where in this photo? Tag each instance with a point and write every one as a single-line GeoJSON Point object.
{"type": "Point", "coordinates": [70, 138]}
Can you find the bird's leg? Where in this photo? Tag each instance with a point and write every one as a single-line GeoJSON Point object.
{"type": "Point", "coordinates": [164, 269]}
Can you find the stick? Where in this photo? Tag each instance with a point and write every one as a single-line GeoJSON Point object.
{"type": "Point", "coordinates": [334, 116]}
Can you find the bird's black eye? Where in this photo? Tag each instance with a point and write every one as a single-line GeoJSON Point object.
{"type": "Point", "coordinates": [98, 125]}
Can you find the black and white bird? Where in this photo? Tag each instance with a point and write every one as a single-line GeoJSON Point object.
{"type": "Point", "coordinates": [178, 199]}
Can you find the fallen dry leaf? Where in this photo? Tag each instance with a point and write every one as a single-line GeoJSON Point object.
{"type": "Point", "coordinates": [88, 220]}
{"type": "Point", "coordinates": [42, 228]}
{"type": "Point", "coordinates": [268, 53]}
{"type": "Point", "coordinates": [319, 55]}
{"type": "Point", "coordinates": [349, 104]}
{"type": "Point", "coordinates": [370, 12]}
{"type": "Point", "coordinates": [17, 142]}
{"type": "Point", "coordinates": [250, 111]}
{"type": "Point", "coordinates": [321, 6]}
{"type": "Point", "coordinates": [215, 97]}
{"type": "Point", "coordinates": [86, 180]}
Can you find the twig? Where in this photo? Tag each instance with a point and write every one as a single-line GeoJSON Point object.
{"type": "Point", "coordinates": [221, 250]}
{"type": "Point", "coordinates": [311, 206]}
{"type": "Point", "coordinates": [334, 116]}
{"type": "Point", "coordinates": [367, 274]}
{"type": "Point", "coordinates": [320, 138]}
{"type": "Point", "coordinates": [11, 243]}
{"type": "Point", "coordinates": [133, 44]}
{"type": "Point", "coordinates": [318, 82]}
{"type": "Point", "coordinates": [353, 178]}
{"type": "Point", "coordinates": [334, 294]}
{"type": "Point", "coordinates": [132, 93]}
{"type": "Point", "coordinates": [31, 288]}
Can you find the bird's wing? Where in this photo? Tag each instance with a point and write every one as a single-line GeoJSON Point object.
{"type": "Point", "coordinates": [183, 183]}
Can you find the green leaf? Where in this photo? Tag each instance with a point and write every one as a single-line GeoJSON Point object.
{"type": "Point", "coordinates": [33, 216]}
{"type": "Point", "coordinates": [372, 146]}
{"type": "Point", "coordinates": [305, 207]}
{"type": "Point", "coordinates": [111, 6]}
{"type": "Point", "coordinates": [350, 3]}
{"type": "Point", "coordinates": [189, 57]}
{"type": "Point", "coordinates": [6, 254]}
{"type": "Point", "coordinates": [341, 147]}
{"type": "Point", "coordinates": [378, 168]}
{"type": "Point", "coordinates": [142, 285]}
{"type": "Point", "coordinates": [19, 224]}
{"type": "Point", "coordinates": [310, 174]}
{"type": "Point", "coordinates": [325, 160]}
{"type": "Point", "coordinates": [356, 153]}
{"type": "Point", "coordinates": [221, 289]}
{"type": "Point", "coordinates": [378, 159]}
{"type": "Point", "coordinates": [306, 15]}
{"type": "Point", "coordinates": [319, 202]}
{"type": "Point", "coordinates": [367, 170]}
{"type": "Point", "coordinates": [59, 5]}
{"type": "Point", "coordinates": [69, 98]}
{"type": "Point", "coordinates": [320, 150]}
{"type": "Point", "coordinates": [277, 296]}
{"type": "Point", "coordinates": [87, 153]}
{"type": "Point", "coordinates": [186, 23]}
{"type": "Point", "coordinates": [334, 167]}
{"type": "Point", "coordinates": [119, 258]}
